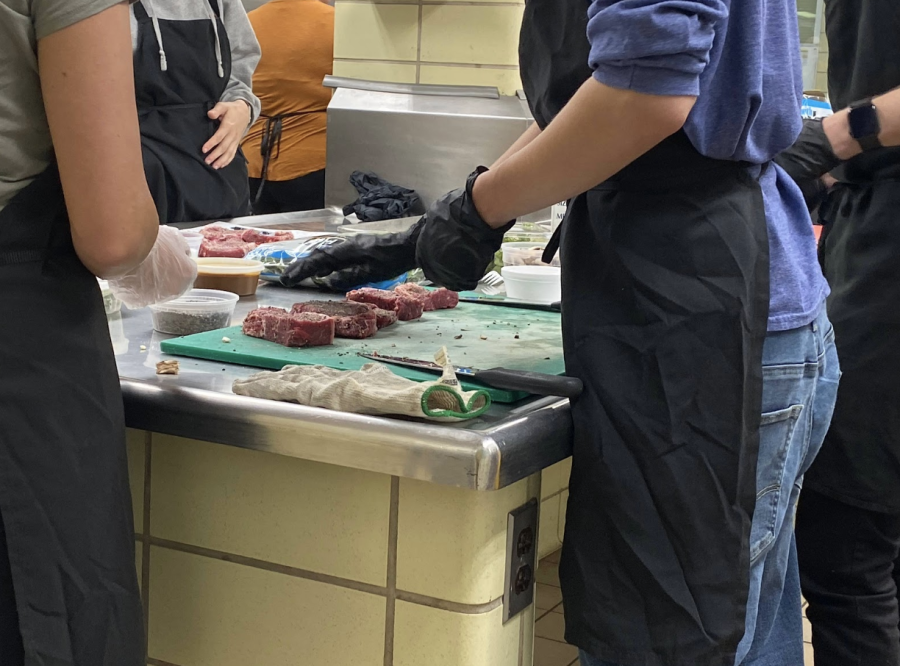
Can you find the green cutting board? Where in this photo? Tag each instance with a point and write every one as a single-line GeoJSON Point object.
{"type": "Point", "coordinates": [538, 347]}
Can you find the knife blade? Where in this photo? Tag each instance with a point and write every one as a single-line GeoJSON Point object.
{"type": "Point", "coordinates": [535, 383]}
{"type": "Point", "coordinates": [507, 303]}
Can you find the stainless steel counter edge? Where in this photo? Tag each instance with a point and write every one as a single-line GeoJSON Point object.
{"type": "Point", "coordinates": [515, 448]}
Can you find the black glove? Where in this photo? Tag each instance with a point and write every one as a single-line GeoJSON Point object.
{"type": "Point", "coordinates": [358, 260]}
{"type": "Point", "coordinates": [456, 246]}
{"type": "Point", "coordinates": [810, 158]}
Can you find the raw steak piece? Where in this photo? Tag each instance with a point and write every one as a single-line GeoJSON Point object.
{"type": "Point", "coordinates": [406, 307]}
{"type": "Point", "coordinates": [219, 233]}
{"type": "Point", "coordinates": [235, 249]}
{"type": "Point", "coordinates": [289, 329]}
{"type": "Point", "coordinates": [306, 329]}
{"type": "Point", "coordinates": [380, 298]}
{"type": "Point", "coordinates": [411, 290]}
{"type": "Point", "coordinates": [439, 299]}
{"type": "Point", "coordinates": [409, 308]}
{"type": "Point", "coordinates": [385, 318]}
{"type": "Point", "coordinates": [443, 299]}
{"type": "Point", "coordinates": [255, 321]}
{"type": "Point", "coordinates": [262, 237]}
{"type": "Point", "coordinates": [352, 320]}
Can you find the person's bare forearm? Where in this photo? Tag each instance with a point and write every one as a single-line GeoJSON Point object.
{"type": "Point", "coordinates": [88, 86]}
{"type": "Point", "coordinates": [529, 135]}
{"type": "Point", "coordinates": [837, 127]}
{"type": "Point", "coordinates": [599, 132]}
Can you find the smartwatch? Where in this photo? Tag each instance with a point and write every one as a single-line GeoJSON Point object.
{"type": "Point", "coordinates": [864, 124]}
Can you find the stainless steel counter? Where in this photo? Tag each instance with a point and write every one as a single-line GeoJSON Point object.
{"type": "Point", "coordinates": [507, 444]}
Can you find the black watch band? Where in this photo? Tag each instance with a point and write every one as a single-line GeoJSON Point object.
{"type": "Point", "coordinates": [864, 124]}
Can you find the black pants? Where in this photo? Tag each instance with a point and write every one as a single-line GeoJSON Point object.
{"type": "Point", "coordinates": [10, 639]}
{"type": "Point", "coordinates": [849, 570]}
{"type": "Point", "coordinates": [283, 196]}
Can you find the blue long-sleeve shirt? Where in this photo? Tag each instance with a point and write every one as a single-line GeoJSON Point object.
{"type": "Point", "coordinates": [741, 59]}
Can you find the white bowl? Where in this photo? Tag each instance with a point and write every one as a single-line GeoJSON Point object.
{"type": "Point", "coordinates": [536, 284]}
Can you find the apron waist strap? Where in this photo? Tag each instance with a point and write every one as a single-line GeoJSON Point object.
{"type": "Point", "coordinates": [270, 144]}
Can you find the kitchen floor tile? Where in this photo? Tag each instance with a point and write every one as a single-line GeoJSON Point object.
{"type": "Point", "coordinates": [548, 574]}
{"type": "Point", "coordinates": [551, 626]}
{"type": "Point", "coordinates": [552, 653]}
{"type": "Point", "coordinates": [553, 557]}
{"type": "Point", "coordinates": [547, 597]}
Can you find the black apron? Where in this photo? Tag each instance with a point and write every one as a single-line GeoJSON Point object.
{"type": "Point", "coordinates": [173, 106]}
{"type": "Point", "coordinates": [860, 252]}
{"type": "Point", "coordinates": [665, 305]}
{"type": "Point", "coordinates": [64, 495]}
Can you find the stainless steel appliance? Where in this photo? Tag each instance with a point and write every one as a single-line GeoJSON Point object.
{"type": "Point", "coordinates": [427, 138]}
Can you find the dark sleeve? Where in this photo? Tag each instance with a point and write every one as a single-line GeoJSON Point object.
{"type": "Point", "coordinates": [810, 158]}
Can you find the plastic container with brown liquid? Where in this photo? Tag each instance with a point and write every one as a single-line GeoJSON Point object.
{"type": "Point", "coordinates": [239, 276]}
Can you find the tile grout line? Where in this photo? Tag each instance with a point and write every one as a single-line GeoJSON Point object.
{"type": "Point", "coordinates": [419, 43]}
{"type": "Point", "coordinates": [391, 596]}
{"type": "Point", "coordinates": [145, 545]}
{"type": "Point", "coordinates": [159, 662]}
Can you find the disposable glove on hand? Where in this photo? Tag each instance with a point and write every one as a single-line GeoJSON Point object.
{"type": "Point", "coordinates": [360, 259]}
{"type": "Point", "coordinates": [810, 158]}
{"type": "Point", "coordinates": [168, 272]}
{"type": "Point", "coordinates": [456, 245]}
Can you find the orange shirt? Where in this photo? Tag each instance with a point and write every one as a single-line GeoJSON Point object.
{"type": "Point", "coordinates": [297, 40]}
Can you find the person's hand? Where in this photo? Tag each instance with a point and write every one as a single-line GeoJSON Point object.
{"type": "Point", "coordinates": [456, 245]}
{"type": "Point", "coordinates": [829, 181]}
{"type": "Point", "coordinates": [234, 118]}
{"type": "Point", "coordinates": [168, 272]}
{"type": "Point", "coordinates": [357, 260]}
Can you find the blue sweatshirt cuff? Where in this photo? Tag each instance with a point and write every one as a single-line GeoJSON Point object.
{"type": "Point", "coordinates": [647, 80]}
{"type": "Point", "coordinates": [656, 47]}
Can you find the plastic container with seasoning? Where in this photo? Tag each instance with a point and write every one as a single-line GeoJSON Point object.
{"type": "Point", "coordinates": [198, 311]}
{"type": "Point", "coordinates": [536, 284]}
{"type": "Point", "coordinates": [526, 254]}
{"type": "Point", "coordinates": [239, 276]}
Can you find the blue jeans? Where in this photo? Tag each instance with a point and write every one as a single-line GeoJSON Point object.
{"type": "Point", "coordinates": [800, 379]}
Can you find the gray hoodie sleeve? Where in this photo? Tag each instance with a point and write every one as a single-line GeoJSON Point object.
{"type": "Point", "coordinates": [245, 54]}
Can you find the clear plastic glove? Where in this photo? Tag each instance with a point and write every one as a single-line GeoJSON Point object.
{"type": "Point", "coordinates": [168, 272]}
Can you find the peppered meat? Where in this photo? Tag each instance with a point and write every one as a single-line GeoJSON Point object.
{"type": "Point", "coordinates": [232, 248]}
{"type": "Point", "coordinates": [380, 298]}
{"type": "Point", "coordinates": [443, 299]}
{"type": "Point", "coordinates": [290, 329]}
{"type": "Point", "coordinates": [352, 320]}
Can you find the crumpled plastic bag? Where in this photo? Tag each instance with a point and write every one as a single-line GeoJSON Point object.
{"type": "Point", "coordinates": [372, 390]}
{"type": "Point", "coordinates": [381, 200]}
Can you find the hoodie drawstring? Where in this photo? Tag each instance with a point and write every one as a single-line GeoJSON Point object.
{"type": "Point", "coordinates": [215, 23]}
{"type": "Point", "coordinates": [163, 63]}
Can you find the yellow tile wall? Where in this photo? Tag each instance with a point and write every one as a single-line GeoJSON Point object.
{"type": "Point", "coordinates": [321, 518]}
{"type": "Point", "coordinates": [449, 42]}
{"type": "Point", "coordinates": [208, 614]}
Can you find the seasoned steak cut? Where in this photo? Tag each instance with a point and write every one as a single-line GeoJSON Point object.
{"type": "Point", "coordinates": [443, 299]}
{"type": "Point", "coordinates": [262, 237]}
{"type": "Point", "coordinates": [421, 294]}
{"type": "Point", "coordinates": [235, 249]}
{"type": "Point", "coordinates": [381, 298]}
{"type": "Point", "coordinates": [352, 320]}
{"type": "Point", "coordinates": [255, 320]}
{"type": "Point", "coordinates": [385, 318]}
{"type": "Point", "coordinates": [289, 329]}
{"type": "Point", "coordinates": [409, 307]}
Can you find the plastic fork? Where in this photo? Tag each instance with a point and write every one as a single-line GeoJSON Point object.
{"type": "Point", "coordinates": [491, 284]}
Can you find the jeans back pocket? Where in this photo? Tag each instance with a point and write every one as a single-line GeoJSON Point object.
{"type": "Point", "coordinates": [773, 488]}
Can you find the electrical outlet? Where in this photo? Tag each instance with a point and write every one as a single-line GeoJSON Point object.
{"type": "Point", "coordinates": [521, 559]}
